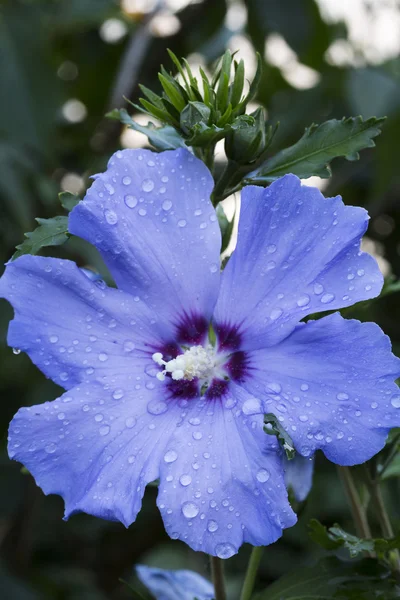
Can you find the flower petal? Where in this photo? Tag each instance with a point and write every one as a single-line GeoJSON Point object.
{"type": "Point", "coordinates": [175, 585]}
{"type": "Point", "coordinates": [297, 254]}
{"type": "Point", "coordinates": [95, 452]}
{"type": "Point", "coordinates": [331, 384]}
{"type": "Point", "coordinates": [75, 329]}
{"type": "Point", "coordinates": [299, 475]}
{"type": "Point", "coordinates": [151, 218]}
{"type": "Point", "coordinates": [222, 480]}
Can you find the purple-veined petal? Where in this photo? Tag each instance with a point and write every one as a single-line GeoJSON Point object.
{"type": "Point", "coordinates": [75, 329]}
{"type": "Point", "coordinates": [331, 384]}
{"type": "Point", "coordinates": [298, 253]}
{"type": "Point", "coordinates": [299, 475]}
{"type": "Point", "coordinates": [175, 585]}
{"type": "Point", "coordinates": [97, 452]}
{"type": "Point", "coordinates": [221, 480]}
{"type": "Point", "coordinates": [151, 218]}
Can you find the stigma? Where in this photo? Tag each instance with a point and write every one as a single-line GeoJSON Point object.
{"type": "Point", "coordinates": [196, 362]}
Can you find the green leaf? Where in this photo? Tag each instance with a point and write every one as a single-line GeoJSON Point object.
{"type": "Point", "coordinates": [319, 145]}
{"type": "Point", "coordinates": [68, 200]}
{"type": "Point", "coordinates": [162, 138]}
{"type": "Point", "coordinates": [273, 427]}
{"type": "Point", "coordinates": [331, 578]}
{"type": "Point", "coordinates": [336, 537]}
{"type": "Point", "coordinates": [237, 85]}
{"type": "Point", "coordinates": [51, 232]}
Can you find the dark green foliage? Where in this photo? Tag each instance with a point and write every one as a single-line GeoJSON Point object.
{"type": "Point", "coordinates": [51, 232]}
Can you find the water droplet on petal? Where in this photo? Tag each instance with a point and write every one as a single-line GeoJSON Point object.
{"type": "Point", "coordinates": [190, 510]}
{"type": "Point", "coordinates": [395, 401]}
{"type": "Point", "coordinates": [327, 298]}
{"type": "Point", "coordinates": [263, 475]}
{"type": "Point", "coordinates": [148, 185]}
{"type": "Point", "coordinates": [318, 289]}
{"type": "Point", "coordinates": [130, 201]}
{"type": "Point", "coordinates": [275, 314]}
{"type": "Point", "coordinates": [182, 223]}
{"type": "Point", "coordinates": [342, 396]}
{"type": "Point", "coordinates": [118, 394]}
{"type": "Point", "coordinates": [16, 351]}
{"type": "Point", "coordinates": [251, 406]}
{"type": "Point", "coordinates": [303, 300]}
{"type": "Point", "coordinates": [126, 180]}
{"type": "Point", "coordinates": [111, 216]}
{"type": "Point", "coordinates": [104, 430]}
{"type": "Point", "coordinates": [157, 407]}
{"type": "Point", "coordinates": [185, 480]}
{"type": "Point", "coordinates": [170, 456]}
{"type": "Point", "coordinates": [212, 526]}
{"type": "Point", "coordinates": [130, 422]}
{"type": "Point", "coordinates": [50, 448]}
{"type": "Point", "coordinates": [103, 356]}
{"type": "Point", "coordinates": [53, 339]}
{"type": "Point", "coordinates": [166, 205]}
{"type": "Point", "coordinates": [225, 550]}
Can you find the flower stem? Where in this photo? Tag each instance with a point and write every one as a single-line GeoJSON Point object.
{"type": "Point", "coordinates": [357, 509]}
{"type": "Point", "coordinates": [217, 575]}
{"type": "Point", "coordinates": [383, 517]}
{"type": "Point", "coordinates": [251, 573]}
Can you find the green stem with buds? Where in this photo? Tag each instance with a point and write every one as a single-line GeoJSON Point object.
{"type": "Point", "coordinates": [217, 575]}
{"type": "Point", "coordinates": [251, 573]}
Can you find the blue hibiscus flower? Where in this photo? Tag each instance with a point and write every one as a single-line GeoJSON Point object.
{"type": "Point", "coordinates": [148, 396]}
{"type": "Point", "coordinates": [175, 585]}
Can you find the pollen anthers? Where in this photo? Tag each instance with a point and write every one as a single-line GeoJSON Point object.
{"type": "Point", "coordinates": [197, 361]}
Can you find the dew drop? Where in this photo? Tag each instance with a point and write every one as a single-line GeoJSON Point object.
{"type": "Point", "coordinates": [251, 406]}
{"type": "Point", "coordinates": [118, 394]}
{"type": "Point", "coordinates": [148, 185]}
{"type": "Point", "coordinates": [61, 416]}
{"type": "Point", "coordinates": [275, 314]}
{"type": "Point", "coordinates": [50, 448]}
{"type": "Point", "coordinates": [130, 201]}
{"type": "Point", "coordinates": [190, 510]}
{"type": "Point", "coordinates": [263, 475]}
{"type": "Point", "coordinates": [214, 268]}
{"type": "Point", "coordinates": [142, 212]}
{"type": "Point", "coordinates": [304, 387]}
{"type": "Point", "coordinates": [103, 357]}
{"type": "Point", "coordinates": [156, 407]}
{"type": "Point", "coordinates": [182, 223]}
{"type": "Point", "coordinates": [126, 180]}
{"type": "Point", "coordinates": [128, 346]}
{"type": "Point", "coordinates": [111, 216]}
{"type": "Point", "coordinates": [166, 205]}
{"type": "Point", "coordinates": [327, 298]}
{"type": "Point", "coordinates": [342, 396]}
{"type": "Point", "coordinates": [130, 422]}
{"type": "Point", "coordinates": [271, 248]}
{"type": "Point", "coordinates": [303, 300]}
{"type": "Point", "coordinates": [318, 289]}
{"type": "Point", "coordinates": [98, 418]}
{"type": "Point", "coordinates": [170, 456]}
{"type": "Point", "coordinates": [185, 480]}
{"type": "Point", "coordinates": [212, 526]}
{"type": "Point", "coordinates": [104, 430]}
{"type": "Point", "coordinates": [395, 401]}
{"type": "Point", "coordinates": [53, 339]}
{"type": "Point", "coordinates": [225, 550]}
{"type": "Point", "coordinates": [16, 351]}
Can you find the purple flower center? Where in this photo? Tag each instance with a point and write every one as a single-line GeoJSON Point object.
{"type": "Point", "coordinates": [193, 365]}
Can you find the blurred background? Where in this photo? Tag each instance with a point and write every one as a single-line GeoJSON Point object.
{"type": "Point", "coordinates": [63, 65]}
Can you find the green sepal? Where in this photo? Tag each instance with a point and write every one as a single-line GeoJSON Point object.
{"type": "Point", "coordinates": [68, 200]}
{"type": "Point", "coordinates": [50, 232]}
{"type": "Point", "coordinates": [192, 114]}
{"type": "Point", "coordinates": [318, 146]}
{"type": "Point", "coordinates": [245, 144]}
{"type": "Point", "coordinates": [272, 426]}
{"type": "Point", "coordinates": [172, 92]}
{"type": "Point", "coordinates": [225, 226]}
{"type": "Point", "coordinates": [162, 138]}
